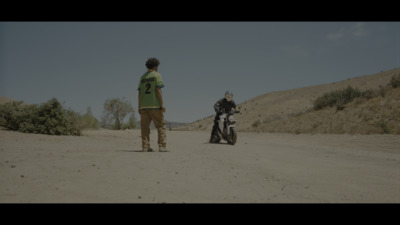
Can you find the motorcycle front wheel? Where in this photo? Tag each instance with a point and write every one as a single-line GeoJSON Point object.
{"type": "Point", "coordinates": [232, 137]}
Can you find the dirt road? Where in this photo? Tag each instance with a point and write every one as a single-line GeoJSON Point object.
{"type": "Point", "coordinates": [107, 166]}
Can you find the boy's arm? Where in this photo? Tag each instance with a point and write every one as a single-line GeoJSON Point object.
{"type": "Point", "coordinates": [159, 96]}
{"type": "Point", "coordinates": [138, 102]}
{"type": "Point", "coordinates": [235, 107]}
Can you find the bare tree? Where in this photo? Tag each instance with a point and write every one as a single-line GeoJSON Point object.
{"type": "Point", "coordinates": [117, 109]}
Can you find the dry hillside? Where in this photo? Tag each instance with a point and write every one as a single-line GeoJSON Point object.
{"type": "Point", "coordinates": [291, 110]}
{"type": "Point", "coordinates": [5, 100]}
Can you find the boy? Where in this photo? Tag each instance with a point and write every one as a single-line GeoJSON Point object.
{"type": "Point", "coordinates": [151, 105]}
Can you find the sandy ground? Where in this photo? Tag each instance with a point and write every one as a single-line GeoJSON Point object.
{"type": "Point", "coordinates": [108, 167]}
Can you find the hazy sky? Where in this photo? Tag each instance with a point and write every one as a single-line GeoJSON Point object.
{"type": "Point", "coordinates": [84, 63]}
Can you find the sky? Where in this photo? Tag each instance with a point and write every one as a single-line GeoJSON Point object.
{"type": "Point", "coordinates": [83, 64]}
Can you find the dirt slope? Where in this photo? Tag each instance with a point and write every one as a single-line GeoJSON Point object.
{"type": "Point", "coordinates": [275, 111]}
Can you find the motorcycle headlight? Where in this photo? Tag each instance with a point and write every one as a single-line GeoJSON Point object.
{"type": "Point", "coordinates": [231, 119]}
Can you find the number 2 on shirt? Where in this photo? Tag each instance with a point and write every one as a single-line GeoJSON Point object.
{"type": "Point", "coordinates": [148, 86]}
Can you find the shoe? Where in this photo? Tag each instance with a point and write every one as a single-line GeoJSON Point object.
{"type": "Point", "coordinates": [163, 149]}
{"type": "Point", "coordinates": [147, 150]}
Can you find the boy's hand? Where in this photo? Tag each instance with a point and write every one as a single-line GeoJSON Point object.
{"type": "Point", "coordinates": [163, 109]}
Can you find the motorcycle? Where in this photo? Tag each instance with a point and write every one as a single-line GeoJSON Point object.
{"type": "Point", "coordinates": [225, 129]}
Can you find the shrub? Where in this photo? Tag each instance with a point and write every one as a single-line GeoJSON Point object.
{"type": "Point", "coordinates": [11, 114]}
{"type": "Point", "coordinates": [74, 123]}
{"type": "Point", "coordinates": [89, 120]}
{"type": "Point", "coordinates": [256, 123]}
{"type": "Point", "coordinates": [368, 94]}
{"type": "Point", "coordinates": [132, 122]}
{"type": "Point", "coordinates": [395, 81]}
{"type": "Point", "coordinates": [337, 98]}
{"type": "Point", "coordinates": [383, 125]}
{"type": "Point", "coordinates": [116, 110]}
{"type": "Point", "coordinates": [48, 118]}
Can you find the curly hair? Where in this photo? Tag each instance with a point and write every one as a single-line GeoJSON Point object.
{"type": "Point", "coordinates": [152, 62]}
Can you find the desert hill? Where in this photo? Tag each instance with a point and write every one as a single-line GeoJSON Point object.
{"type": "Point", "coordinates": [6, 99]}
{"type": "Point", "coordinates": [291, 110]}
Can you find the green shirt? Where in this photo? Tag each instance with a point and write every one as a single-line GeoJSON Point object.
{"type": "Point", "coordinates": [147, 87]}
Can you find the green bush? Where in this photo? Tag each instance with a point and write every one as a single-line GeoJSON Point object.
{"type": "Point", "coordinates": [395, 81]}
{"type": "Point", "coordinates": [89, 120]}
{"type": "Point", "coordinates": [131, 122]}
{"type": "Point", "coordinates": [337, 98]}
{"type": "Point", "coordinates": [48, 118]}
{"type": "Point", "coordinates": [368, 94]}
{"type": "Point", "coordinates": [11, 115]}
{"type": "Point", "coordinates": [116, 110]}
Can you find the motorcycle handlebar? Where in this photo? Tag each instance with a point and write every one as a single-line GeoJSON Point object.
{"type": "Point", "coordinates": [235, 111]}
{"type": "Point", "coordinates": [232, 111]}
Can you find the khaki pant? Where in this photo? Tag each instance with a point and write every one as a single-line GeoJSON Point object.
{"type": "Point", "coordinates": [157, 116]}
